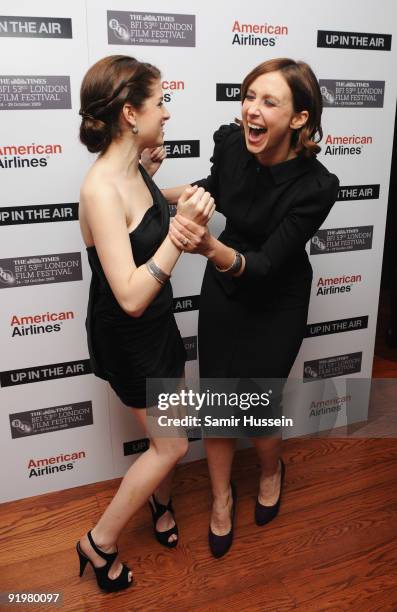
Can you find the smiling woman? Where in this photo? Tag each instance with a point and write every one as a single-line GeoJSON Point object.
{"type": "Point", "coordinates": [131, 330]}
{"type": "Point", "coordinates": [286, 101]}
{"type": "Point", "coordinates": [275, 194]}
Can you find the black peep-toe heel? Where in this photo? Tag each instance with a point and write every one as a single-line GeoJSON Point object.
{"type": "Point", "coordinates": [157, 512]}
{"type": "Point", "coordinates": [104, 582]}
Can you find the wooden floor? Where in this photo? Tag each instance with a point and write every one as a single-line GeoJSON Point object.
{"type": "Point", "coordinates": [332, 547]}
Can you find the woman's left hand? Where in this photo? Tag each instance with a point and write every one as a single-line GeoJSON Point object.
{"type": "Point", "coordinates": [151, 159]}
{"type": "Point", "coordinates": [189, 236]}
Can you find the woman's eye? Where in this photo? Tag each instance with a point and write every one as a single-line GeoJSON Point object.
{"type": "Point", "coordinates": [269, 103]}
{"type": "Point", "coordinates": [249, 97]}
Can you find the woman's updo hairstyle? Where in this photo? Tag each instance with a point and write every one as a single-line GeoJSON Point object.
{"type": "Point", "coordinates": [106, 87]}
{"type": "Point", "coordinates": [306, 95]}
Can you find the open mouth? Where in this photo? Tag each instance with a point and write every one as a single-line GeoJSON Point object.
{"type": "Point", "coordinates": [255, 132]}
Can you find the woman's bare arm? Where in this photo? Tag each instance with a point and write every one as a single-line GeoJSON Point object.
{"type": "Point", "coordinates": [172, 194]}
{"type": "Point", "coordinates": [133, 287]}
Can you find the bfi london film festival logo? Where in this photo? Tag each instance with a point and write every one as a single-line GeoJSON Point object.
{"type": "Point", "coordinates": [35, 27]}
{"type": "Point", "coordinates": [346, 145]}
{"type": "Point", "coordinates": [47, 466]}
{"type": "Point", "coordinates": [257, 34]}
{"type": "Point", "coordinates": [39, 213]}
{"type": "Point", "coordinates": [344, 94]}
{"type": "Point", "coordinates": [342, 239]}
{"type": "Point", "coordinates": [34, 92]}
{"type": "Point", "coordinates": [137, 28]}
{"type": "Point", "coordinates": [336, 285]}
{"type": "Point", "coordinates": [48, 420]}
{"type": "Point", "coordinates": [40, 270]}
{"type": "Point", "coordinates": [53, 371]}
{"type": "Point", "coordinates": [28, 156]}
{"type": "Point", "coordinates": [332, 39]}
{"type": "Point", "coordinates": [39, 324]}
{"type": "Point", "coordinates": [332, 367]}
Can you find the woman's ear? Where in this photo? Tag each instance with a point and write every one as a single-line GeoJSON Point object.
{"type": "Point", "coordinates": [299, 119]}
{"type": "Point", "coordinates": [129, 115]}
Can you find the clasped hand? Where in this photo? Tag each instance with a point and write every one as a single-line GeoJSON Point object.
{"type": "Point", "coordinates": [151, 159]}
{"type": "Point", "coordinates": [188, 230]}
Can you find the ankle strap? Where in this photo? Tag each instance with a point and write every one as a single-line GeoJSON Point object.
{"type": "Point", "coordinates": [101, 553]}
{"type": "Point", "coordinates": [162, 508]}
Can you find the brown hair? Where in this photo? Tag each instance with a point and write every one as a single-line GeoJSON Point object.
{"type": "Point", "coordinates": [107, 86]}
{"type": "Point", "coordinates": [306, 95]}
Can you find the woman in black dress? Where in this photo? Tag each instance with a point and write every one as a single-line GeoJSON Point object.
{"type": "Point", "coordinates": [275, 194]}
{"type": "Point", "coordinates": [132, 334]}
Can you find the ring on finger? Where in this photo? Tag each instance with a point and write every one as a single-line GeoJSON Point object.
{"type": "Point", "coordinates": [185, 241]}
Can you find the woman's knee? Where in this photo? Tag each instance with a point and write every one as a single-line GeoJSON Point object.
{"type": "Point", "coordinates": [171, 450]}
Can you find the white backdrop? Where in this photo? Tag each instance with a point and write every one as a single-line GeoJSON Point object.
{"type": "Point", "coordinates": [62, 427]}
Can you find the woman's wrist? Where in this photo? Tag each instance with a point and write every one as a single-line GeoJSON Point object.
{"type": "Point", "coordinates": [225, 258]}
{"type": "Point", "coordinates": [210, 250]}
{"type": "Point", "coordinates": [176, 250]}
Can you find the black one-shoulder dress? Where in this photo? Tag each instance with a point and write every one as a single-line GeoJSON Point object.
{"type": "Point", "coordinates": [124, 350]}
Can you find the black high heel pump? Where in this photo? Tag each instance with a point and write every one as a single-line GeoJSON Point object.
{"type": "Point", "coordinates": [219, 545]}
{"type": "Point", "coordinates": [265, 514]}
{"type": "Point", "coordinates": [104, 582]}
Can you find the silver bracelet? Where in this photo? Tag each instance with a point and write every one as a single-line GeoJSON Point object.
{"type": "Point", "coordinates": [235, 266]}
{"type": "Point", "coordinates": [157, 273]}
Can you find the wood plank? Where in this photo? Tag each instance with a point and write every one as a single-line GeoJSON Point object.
{"type": "Point", "coordinates": [333, 541]}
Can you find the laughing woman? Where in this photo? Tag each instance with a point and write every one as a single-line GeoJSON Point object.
{"type": "Point", "coordinates": [132, 334]}
{"type": "Point", "coordinates": [274, 194]}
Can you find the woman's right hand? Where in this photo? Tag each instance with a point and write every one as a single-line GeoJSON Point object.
{"type": "Point", "coordinates": [189, 236]}
{"type": "Point", "coordinates": [151, 159]}
{"type": "Point", "coordinates": [196, 204]}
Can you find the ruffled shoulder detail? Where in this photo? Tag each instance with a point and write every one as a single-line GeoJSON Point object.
{"type": "Point", "coordinates": [224, 131]}
{"type": "Point", "coordinates": [325, 180]}
{"type": "Point", "coordinates": [221, 135]}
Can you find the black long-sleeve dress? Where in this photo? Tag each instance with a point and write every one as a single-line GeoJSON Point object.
{"type": "Point", "coordinates": [253, 325]}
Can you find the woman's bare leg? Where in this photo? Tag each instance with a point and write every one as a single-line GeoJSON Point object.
{"type": "Point", "coordinates": [141, 479]}
{"type": "Point", "coordinates": [269, 452]}
{"type": "Point", "coordinates": [220, 452]}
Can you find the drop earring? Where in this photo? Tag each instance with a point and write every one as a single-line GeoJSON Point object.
{"type": "Point", "coordinates": [134, 130]}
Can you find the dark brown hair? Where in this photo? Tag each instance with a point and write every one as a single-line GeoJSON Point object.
{"type": "Point", "coordinates": [107, 86]}
{"type": "Point", "coordinates": [306, 95]}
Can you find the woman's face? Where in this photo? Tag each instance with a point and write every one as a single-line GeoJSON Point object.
{"type": "Point", "coordinates": [151, 118]}
{"type": "Point", "coordinates": [269, 118]}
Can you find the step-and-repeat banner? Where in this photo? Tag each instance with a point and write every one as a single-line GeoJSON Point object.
{"type": "Point", "coordinates": [59, 425]}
